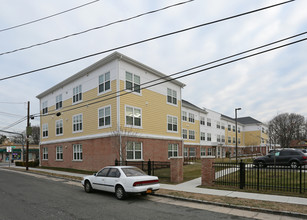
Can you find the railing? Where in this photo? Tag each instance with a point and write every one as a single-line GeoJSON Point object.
{"type": "Point", "coordinates": [271, 178]}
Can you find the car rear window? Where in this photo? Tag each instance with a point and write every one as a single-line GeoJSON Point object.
{"type": "Point", "coordinates": [133, 172]}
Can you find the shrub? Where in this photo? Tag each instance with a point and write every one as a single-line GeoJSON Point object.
{"type": "Point", "coordinates": [30, 163]}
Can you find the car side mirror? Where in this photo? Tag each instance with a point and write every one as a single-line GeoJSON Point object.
{"type": "Point", "coordinates": [269, 156]}
{"type": "Point", "coordinates": [95, 174]}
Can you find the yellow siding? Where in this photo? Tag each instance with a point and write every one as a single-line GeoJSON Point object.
{"type": "Point", "coordinates": [192, 126]}
{"type": "Point", "coordinates": [232, 134]}
{"type": "Point", "coordinates": [154, 112]}
{"type": "Point", "coordinates": [252, 138]}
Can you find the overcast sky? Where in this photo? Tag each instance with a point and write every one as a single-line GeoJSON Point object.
{"type": "Point", "coordinates": [263, 86]}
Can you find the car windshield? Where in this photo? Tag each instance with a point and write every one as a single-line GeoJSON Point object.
{"type": "Point", "coordinates": [133, 171]}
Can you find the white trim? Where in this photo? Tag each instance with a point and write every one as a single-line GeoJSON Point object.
{"type": "Point", "coordinates": [105, 91]}
{"type": "Point", "coordinates": [110, 134]}
{"type": "Point", "coordinates": [172, 124]}
{"type": "Point", "coordinates": [133, 126]}
{"type": "Point", "coordinates": [62, 128]}
{"type": "Point", "coordinates": [79, 131]}
{"type": "Point", "coordinates": [106, 126]}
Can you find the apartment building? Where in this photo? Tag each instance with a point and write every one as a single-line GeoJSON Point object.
{"type": "Point", "coordinates": [117, 108]}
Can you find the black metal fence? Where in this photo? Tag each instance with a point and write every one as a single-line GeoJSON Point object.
{"type": "Point", "coordinates": [147, 166]}
{"type": "Point", "coordinates": [271, 178]}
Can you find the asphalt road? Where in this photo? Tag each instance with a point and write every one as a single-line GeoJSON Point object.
{"type": "Point", "coordinates": [38, 197]}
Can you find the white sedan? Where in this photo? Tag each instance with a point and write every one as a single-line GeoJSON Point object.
{"type": "Point", "coordinates": [121, 180]}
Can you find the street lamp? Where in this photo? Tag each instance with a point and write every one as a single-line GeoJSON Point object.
{"type": "Point", "coordinates": [236, 109]}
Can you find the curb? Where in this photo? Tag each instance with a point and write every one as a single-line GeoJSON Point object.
{"type": "Point", "coordinates": [247, 208]}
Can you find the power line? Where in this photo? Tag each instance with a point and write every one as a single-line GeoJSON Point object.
{"type": "Point", "coordinates": [196, 67]}
{"type": "Point", "coordinates": [10, 114]}
{"type": "Point", "coordinates": [15, 123]}
{"type": "Point", "coordinates": [188, 74]}
{"type": "Point", "coordinates": [95, 28]}
{"type": "Point", "coordinates": [53, 15]}
{"type": "Point", "coordinates": [143, 41]}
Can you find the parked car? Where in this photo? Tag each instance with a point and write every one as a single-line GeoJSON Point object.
{"type": "Point", "coordinates": [290, 157]}
{"type": "Point", "coordinates": [121, 180]}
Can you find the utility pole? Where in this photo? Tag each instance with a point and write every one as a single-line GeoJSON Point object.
{"type": "Point", "coordinates": [27, 139]}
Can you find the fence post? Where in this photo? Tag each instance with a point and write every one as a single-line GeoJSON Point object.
{"type": "Point", "coordinates": [149, 167]}
{"type": "Point", "coordinates": [207, 170]}
{"type": "Point", "coordinates": [242, 175]}
{"type": "Point", "coordinates": [176, 169]}
{"type": "Point", "coordinates": [300, 178]}
{"type": "Point", "coordinates": [116, 162]}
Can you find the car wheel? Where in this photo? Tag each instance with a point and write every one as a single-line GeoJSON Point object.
{"type": "Point", "coordinates": [87, 187]}
{"type": "Point", "coordinates": [261, 164]}
{"type": "Point", "coordinates": [294, 164]}
{"type": "Point", "coordinates": [120, 193]}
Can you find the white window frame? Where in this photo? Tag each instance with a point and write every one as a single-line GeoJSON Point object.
{"type": "Point", "coordinates": [77, 152]}
{"type": "Point", "coordinates": [58, 102]}
{"type": "Point", "coordinates": [185, 152]}
{"type": "Point", "coordinates": [45, 153]}
{"type": "Point", "coordinates": [173, 122]}
{"type": "Point", "coordinates": [218, 138]}
{"type": "Point", "coordinates": [191, 135]}
{"type": "Point", "coordinates": [59, 125]}
{"type": "Point", "coordinates": [77, 94]}
{"type": "Point", "coordinates": [209, 122]}
{"type": "Point", "coordinates": [184, 116]}
{"type": "Point", "coordinates": [45, 130]}
{"type": "Point", "coordinates": [209, 138]}
{"type": "Point", "coordinates": [103, 110]}
{"type": "Point", "coordinates": [218, 125]}
{"type": "Point", "coordinates": [59, 153]}
{"type": "Point", "coordinates": [45, 107]}
{"type": "Point", "coordinates": [78, 121]}
{"type": "Point", "coordinates": [229, 140]}
{"type": "Point", "coordinates": [191, 118]}
{"type": "Point", "coordinates": [134, 117]}
{"type": "Point", "coordinates": [134, 83]}
{"type": "Point", "coordinates": [172, 150]}
{"type": "Point", "coordinates": [134, 150]}
{"type": "Point", "coordinates": [209, 151]}
{"type": "Point", "coordinates": [203, 151]}
{"type": "Point", "coordinates": [185, 134]}
{"type": "Point", "coordinates": [202, 120]}
{"type": "Point", "coordinates": [172, 95]}
{"type": "Point", "coordinates": [192, 152]}
{"type": "Point", "coordinates": [103, 82]}
{"type": "Point", "coordinates": [202, 136]}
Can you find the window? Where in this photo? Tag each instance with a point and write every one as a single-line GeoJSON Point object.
{"type": "Point", "coordinates": [59, 127]}
{"type": "Point", "coordinates": [59, 153]}
{"type": "Point", "coordinates": [133, 82]}
{"type": "Point", "coordinates": [134, 150]}
{"type": "Point", "coordinates": [209, 151]}
{"type": "Point", "coordinates": [77, 94]}
{"type": "Point", "coordinates": [229, 140]}
{"type": "Point", "coordinates": [218, 138]}
{"type": "Point", "coordinates": [209, 122]}
{"type": "Point", "coordinates": [172, 123]}
{"type": "Point", "coordinates": [184, 134]}
{"type": "Point", "coordinates": [203, 151]}
{"type": "Point", "coordinates": [202, 136]}
{"type": "Point", "coordinates": [191, 135]}
{"type": "Point", "coordinates": [191, 117]}
{"type": "Point", "coordinates": [77, 123]}
{"type": "Point", "coordinates": [184, 116]}
{"type": "Point", "coordinates": [202, 120]}
{"type": "Point", "coordinates": [171, 96]}
{"type": "Point", "coordinates": [218, 124]}
{"type": "Point", "coordinates": [223, 138]}
{"type": "Point", "coordinates": [45, 153]}
{"type": "Point", "coordinates": [234, 128]}
{"type": "Point", "coordinates": [45, 107]}
{"type": "Point", "coordinates": [233, 140]}
{"type": "Point", "coordinates": [239, 130]}
{"type": "Point", "coordinates": [172, 150]}
{"type": "Point", "coordinates": [208, 137]}
{"type": "Point", "coordinates": [223, 126]}
{"type": "Point", "coordinates": [58, 101]}
{"type": "Point", "coordinates": [104, 82]}
{"type": "Point", "coordinates": [77, 152]}
{"type": "Point", "coordinates": [45, 130]}
{"type": "Point", "coordinates": [262, 130]}
{"type": "Point", "coordinates": [239, 141]}
{"type": "Point", "coordinates": [229, 127]}
{"type": "Point", "coordinates": [185, 152]}
{"type": "Point", "coordinates": [133, 116]}
{"type": "Point", "coordinates": [192, 152]}
{"type": "Point", "coordinates": [104, 116]}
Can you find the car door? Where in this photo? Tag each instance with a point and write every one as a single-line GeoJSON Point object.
{"type": "Point", "coordinates": [111, 179]}
{"type": "Point", "coordinates": [99, 179]}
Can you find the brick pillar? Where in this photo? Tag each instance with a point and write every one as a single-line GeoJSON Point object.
{"type": "Point", "coordinates": [207, 170]}
{"type": "Point", "coordinates": [176, 169]}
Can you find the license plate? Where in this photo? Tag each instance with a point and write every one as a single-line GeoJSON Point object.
{"type": "Point", "coordinates": [149, 191]}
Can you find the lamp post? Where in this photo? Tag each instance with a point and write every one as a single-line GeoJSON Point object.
{"type": "Point", "coordinates": [236, 109]}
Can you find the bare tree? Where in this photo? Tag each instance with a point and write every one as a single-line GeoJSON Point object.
{"type": "Point", "coordinates": [284, 128]}
{"type": "Point", "coordinates": [35, 134]}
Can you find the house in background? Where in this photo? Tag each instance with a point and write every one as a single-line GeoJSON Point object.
{"type": "Point", "coordinates": [101, 114]}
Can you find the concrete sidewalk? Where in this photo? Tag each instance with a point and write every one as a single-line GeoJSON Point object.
{"type": "Point", "coordinates": [192, 187]}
